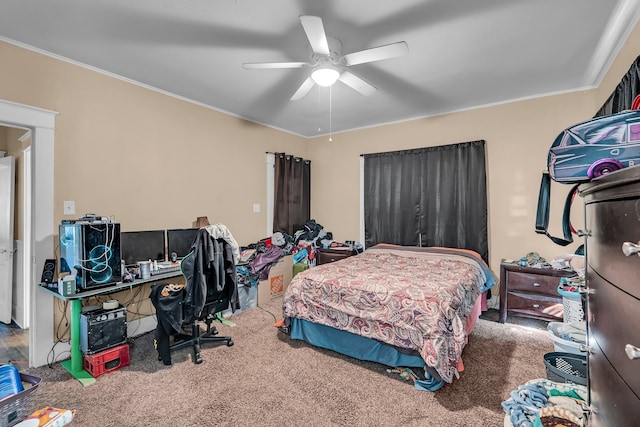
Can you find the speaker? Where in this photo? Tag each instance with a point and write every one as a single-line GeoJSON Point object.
{"type": "Point", "coordinates": [101, 329]}
{"type": "Point", "coordinates": [49, 271]}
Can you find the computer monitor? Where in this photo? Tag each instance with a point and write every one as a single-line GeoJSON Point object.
{"type": "Point", "coordinates": [180, 241]}
{"type": "Point", "coordinates": [138, 246]}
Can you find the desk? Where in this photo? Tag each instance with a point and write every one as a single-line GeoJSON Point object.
{"type": "Point", "coordinates": [74, 365]}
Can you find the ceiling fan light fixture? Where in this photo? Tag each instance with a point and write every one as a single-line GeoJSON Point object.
{"type": "Point", "coordinates": [325, 76]}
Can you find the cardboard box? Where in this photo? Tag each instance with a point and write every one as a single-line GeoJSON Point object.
{"type": "Point", "coordinates": [279, 277]}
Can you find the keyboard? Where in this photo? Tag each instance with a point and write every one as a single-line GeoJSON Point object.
{"type": "Point", "coordinates": [163, 270]}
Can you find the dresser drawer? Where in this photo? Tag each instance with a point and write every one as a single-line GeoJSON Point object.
{"type": "Point", "coordinates": [326, 256]}
{"type": "Point", "coordinates": [530, 292]}
{"type": "Point", "coordinates": [613, 404]}
{"type": "Point", "coordinates": [535, 283]}
{"type": "Point", "coordinates": [613, 331]}
{"type": "Point", "coordinates": [538, 306]}
{"type": "Point", "coordinates": [611, 224]}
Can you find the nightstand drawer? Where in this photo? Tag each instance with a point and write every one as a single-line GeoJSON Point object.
{"type": "Point", "coordinates": [535, 283]}
{"type": "Point", "coordinates": [326, 256]}
{"type": "Point", "coordinates": [538, 306]}
{"type": "Point", "coordinates": [531, 292]}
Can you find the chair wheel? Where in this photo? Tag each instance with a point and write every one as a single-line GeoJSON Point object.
{"type": "Point", "coordinates": [198, 360]}
{"type": "Point", "coordinates": [229, 343]}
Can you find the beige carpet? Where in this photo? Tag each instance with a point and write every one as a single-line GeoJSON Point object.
{"type": "Point", "coordinates": [267, 379]}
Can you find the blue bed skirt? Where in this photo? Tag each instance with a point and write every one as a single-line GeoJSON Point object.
{"type": "Point", "coordinates": [360, 348]}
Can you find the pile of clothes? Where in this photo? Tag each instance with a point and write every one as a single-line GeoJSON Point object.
{"type": "Point", "coordinates": [541, 403]}
{"type": "Point", "coordinates": [257, 258]}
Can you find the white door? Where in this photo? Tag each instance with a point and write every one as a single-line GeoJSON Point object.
{"type": "Point", "coordinates": [7, 186]}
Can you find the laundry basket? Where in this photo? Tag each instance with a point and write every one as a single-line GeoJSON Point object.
{"type": "Point", "coordinates": [572, 305]}
{"type": "Point", "coordinates": [17, 407]}
{"type": "Point", "coordinates": [566, 367]}
{"type": "Point", "coordinates": [567, 336]}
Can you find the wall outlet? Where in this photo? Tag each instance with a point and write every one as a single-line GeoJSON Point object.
{"type": "Point", "coordinates": [69, 207]}
{"type": "Point", "coordinates": [256, 207]}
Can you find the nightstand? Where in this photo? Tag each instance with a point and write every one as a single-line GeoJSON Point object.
{"type": "Point", "coordinates": [325, 256]}
{"type": "Point", "coordinates": [531, 292]}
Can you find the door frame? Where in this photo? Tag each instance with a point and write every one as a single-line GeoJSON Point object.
{"type": "Point", "coordinates": [41, 122]}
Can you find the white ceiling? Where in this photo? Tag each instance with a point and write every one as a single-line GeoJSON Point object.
{"type": "Point", "coordinates": [463, 54]}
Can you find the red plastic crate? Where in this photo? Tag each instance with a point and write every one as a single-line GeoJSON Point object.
{"type": "Point", "coordinates": [107, 360]}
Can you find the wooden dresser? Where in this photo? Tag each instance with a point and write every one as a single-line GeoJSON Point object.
{"type": "Point", "coordinates": [612, 220]}
{"type": "Point", "coordinates": [328, 255]}
{"type": "Point", "coordinates": [530, 292]}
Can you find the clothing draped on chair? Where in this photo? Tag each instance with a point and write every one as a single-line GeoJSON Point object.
{"type": "Point", "coordinates": [214, 271]}
{"type": "Point", "coordinates": [292, 193]}
{"type": "Point", "coordinates": [210, 287]}
{"type": "Point", "coordinates": [434, 196]}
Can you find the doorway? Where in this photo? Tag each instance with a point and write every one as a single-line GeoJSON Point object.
{"type": "Point", "coordinates": [15, 182]}
{"type": "Point", "coordinates": [38, 221]}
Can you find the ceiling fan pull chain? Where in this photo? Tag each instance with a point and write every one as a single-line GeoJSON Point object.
{"type": "Point", "coordinates": [330, 139]}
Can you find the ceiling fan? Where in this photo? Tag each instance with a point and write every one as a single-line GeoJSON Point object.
{"type": "Point", "coordinates": [328, 62]}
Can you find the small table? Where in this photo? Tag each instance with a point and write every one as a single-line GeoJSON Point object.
{"type": "Point", "coordinates": [74, 365]}
{"type": "Point", "coordinates": [325, 256]}
{"type": "Point", "coordinates": [531, 292]}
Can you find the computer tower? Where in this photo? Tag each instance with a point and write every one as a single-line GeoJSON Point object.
{"type": "Point", "coordinates": [93, 249]}
{"type": "Point", "coordinates": [101, 329]}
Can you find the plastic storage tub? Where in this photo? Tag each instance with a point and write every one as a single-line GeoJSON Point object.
{"type": "Point", "coordinates": [17, 407]}
{"type": "Point", "coordinates": [567, 337]}
{"type": "Point", "coordinates": [572, 305]}
{"type": "Point", "coordinates": [566, 367]}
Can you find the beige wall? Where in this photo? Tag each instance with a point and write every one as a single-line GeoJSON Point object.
{"type": "Point", "coordinates": [149, 160]}
{"type": "Point", "coordinates": [518, 136]}
{"type": "Point", "coordinates": [153, 161]}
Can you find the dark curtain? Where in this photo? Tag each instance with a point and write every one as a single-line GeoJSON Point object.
{"type": "Point", "coordinates": [292, 182]}
{"type": "Point", "coordinates": [434, 196]}
{"type": "Point", "coordinates": [622, 97]}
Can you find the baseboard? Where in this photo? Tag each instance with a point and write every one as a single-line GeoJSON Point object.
{"type": "Point", "coordinates": [141, 326]}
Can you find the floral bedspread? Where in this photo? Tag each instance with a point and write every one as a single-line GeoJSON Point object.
{"type": "Point", "coordinates": [413, 298]}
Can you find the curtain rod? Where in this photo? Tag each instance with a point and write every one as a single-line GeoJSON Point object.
{"type": "Point", "coordinates": [292, 155]}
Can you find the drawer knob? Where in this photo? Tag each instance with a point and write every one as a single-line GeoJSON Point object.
{"type": "Point", "coordinates": [633, 352]}
{"type": "Point", "coordinates": [536, 305]}
{"type": "Point", "coordinates": [586, 291]}
{"type": "Point", "coordinates": [629, 248]}
{"type": "Point", "coordinates": [585, 349]}
{"type": "Point", "coordinates": [582, 233]}
{"type": "Point", "coordinates": [536, 285]}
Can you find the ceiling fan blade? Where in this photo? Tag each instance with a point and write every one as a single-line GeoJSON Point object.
{"type": "Point", "coordinates": [304, 88]}
{"type": "Point", "coordinates": [315, 33]}
{"type": "Point", "coordinates": [377, 53]}
{"type": "Point", "coordinates": [272, 65]}
{"type": "Point", "coordinates": [357, 83]}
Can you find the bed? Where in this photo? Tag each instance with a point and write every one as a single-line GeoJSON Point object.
{"type": "Point", "coordinates": [399, 306]}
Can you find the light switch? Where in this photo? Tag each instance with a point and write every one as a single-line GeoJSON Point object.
{"type": "Point", "coordinates": [256, 207]}
{"type": "Point", "coordinates": [69, 207]}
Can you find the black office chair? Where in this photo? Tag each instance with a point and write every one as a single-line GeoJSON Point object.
{"type": "Point", "coordinates": [210, 288]}
{"type": "Point", "coordinates": [198, 337]}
